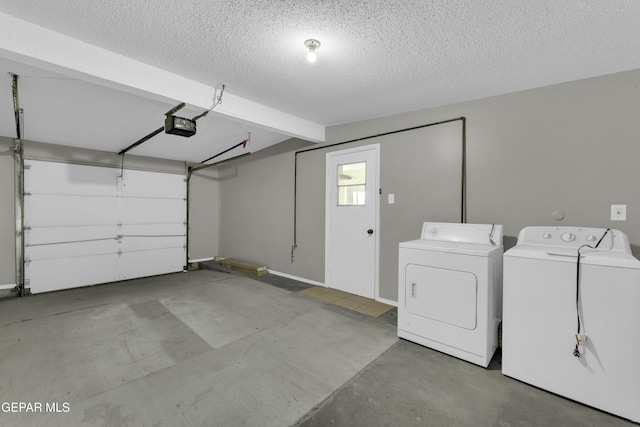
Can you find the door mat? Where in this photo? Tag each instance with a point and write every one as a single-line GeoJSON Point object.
{"type": "Point", "coordinates": [344, 299]}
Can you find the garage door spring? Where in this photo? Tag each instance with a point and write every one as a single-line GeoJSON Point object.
{"type": "Point", "coordinates": [576, 351]}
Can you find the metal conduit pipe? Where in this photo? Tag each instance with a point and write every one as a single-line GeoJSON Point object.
{"type": "Point", "coordinates": [463, 189]}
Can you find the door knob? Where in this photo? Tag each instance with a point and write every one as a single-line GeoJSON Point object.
{"type": "Point", "coordinates": [370, 231]}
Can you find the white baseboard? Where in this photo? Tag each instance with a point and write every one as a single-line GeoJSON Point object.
{"type": "Point", "coordinates": [299, 279]}
{"type": "Point", "coordinates": [201, 259]}
{"type": "Point", "coordinates": [387, 301]}
{"type": "Point", "coordinates": [2, 287]}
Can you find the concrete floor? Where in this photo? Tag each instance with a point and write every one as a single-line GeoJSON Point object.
{"type": "Point", "coordinates": [410, 385]}
{"type": "Point", "coordinates": [210, 347]}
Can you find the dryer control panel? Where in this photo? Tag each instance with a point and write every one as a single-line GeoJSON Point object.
{"type": "Point", "coordinates": [485, 234]}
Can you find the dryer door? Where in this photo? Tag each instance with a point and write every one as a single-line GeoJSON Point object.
{"type": "Point", "coordinates": [443, 295]}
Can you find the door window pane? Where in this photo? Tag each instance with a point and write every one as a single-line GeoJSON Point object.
{"type": "Point", "coordinates": [352, 184]}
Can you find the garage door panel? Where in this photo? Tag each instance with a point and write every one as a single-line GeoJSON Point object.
{"type": "Point", "coordinates": [62, 210]}
{"type": "Point", "coordinates": [152, 211]}
{"type": "Point", "coordinates": [43, 235]}
{"type": "Point", "coordinates": [64, 273]}
{"type": "Point", "coordinates": [70, 179]}
{"type": "Point", "coordinates": [153, 229]}
{"type": "Point", "coordinates": [152, 262]}
{"type": "Point", "coordinates": [136, 244]}
{"type": "Point", "coordinates": [70, 250]}
{"type": "Point", "coordinates": [152, 184]}
{"type": "Point", "coordinates": [85, 226]}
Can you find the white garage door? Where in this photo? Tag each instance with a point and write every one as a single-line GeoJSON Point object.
{"type": "Point", "coordinates": [84, 225]}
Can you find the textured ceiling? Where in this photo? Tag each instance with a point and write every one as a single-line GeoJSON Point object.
{"type": "Point", "coordinates": [378, 57]}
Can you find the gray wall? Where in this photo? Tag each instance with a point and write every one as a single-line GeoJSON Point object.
{"type": "Point", "coordinates": [421, 167]}
{"type": "Point", "coordinates": [256, 210]}
{"type": "Point", "coordinates": [203, 209]}
{"type": "Point", "coordinates": [204, 214]}
{"type": "Point", "coordinates": [572, 147]}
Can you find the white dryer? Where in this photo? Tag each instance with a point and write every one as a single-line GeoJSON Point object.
{"type": "Point", "coordinates": [450, 289]}
{"type": "Point", "coordinates": [548, 295]}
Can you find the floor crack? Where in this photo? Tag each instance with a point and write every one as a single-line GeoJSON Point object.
{"type": "Point", "coordinates": [270, 333]}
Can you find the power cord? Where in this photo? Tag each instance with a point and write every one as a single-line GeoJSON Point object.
{"type": "Point", "coordinates": [576, 351]}
{"type": "Point", "coordinates": [217, 99]}
{"type": "Point", "coordinates": [493, 230]}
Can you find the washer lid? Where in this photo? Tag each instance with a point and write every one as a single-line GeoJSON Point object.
{"type": "Point", "coordinates": [459, 248]}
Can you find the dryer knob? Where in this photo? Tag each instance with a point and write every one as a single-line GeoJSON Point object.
{"type": "Point", "coordinates": [546, 236]}
{"type": "Point", "coordinates": [591, 238]}
{"type": "Point", "coordinates": [568, 237]}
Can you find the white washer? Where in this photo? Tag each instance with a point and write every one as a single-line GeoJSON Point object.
{"type": "Point", "coordinates": [450, 289]}
{"type": "Point", "coordinates": [541, 317]}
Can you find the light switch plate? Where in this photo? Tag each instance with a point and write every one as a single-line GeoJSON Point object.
{"type": "Point", "coordinates": [391, 198]}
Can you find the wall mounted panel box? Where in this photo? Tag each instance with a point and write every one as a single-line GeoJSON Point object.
{"type": "Point", "coordinates": [571, 327]}
{"type": "Point", "coordinates": [450, 289]}
{"type": "Point", "coordinates": [180, 126]}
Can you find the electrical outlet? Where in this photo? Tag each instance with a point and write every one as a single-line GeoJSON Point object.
{"type": "Point", "coordinates": [618, 212]}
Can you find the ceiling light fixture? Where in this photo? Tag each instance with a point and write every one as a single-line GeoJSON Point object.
{"type": "Point", "coordinates": [312, 45]}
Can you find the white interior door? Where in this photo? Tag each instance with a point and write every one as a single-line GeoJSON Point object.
{"type": "Point", "coordinates": [352, 220]}
{"type": "Point", "coordinates": [84, 225]}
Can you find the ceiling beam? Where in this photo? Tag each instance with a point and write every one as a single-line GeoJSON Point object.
{"type": "Point", "coordinates": [30, 44]}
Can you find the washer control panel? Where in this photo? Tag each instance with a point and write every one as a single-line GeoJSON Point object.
{"type": "Point", "coordinates": [572, 237]}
